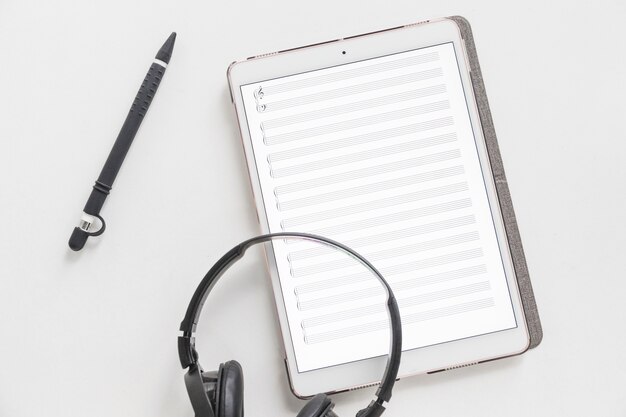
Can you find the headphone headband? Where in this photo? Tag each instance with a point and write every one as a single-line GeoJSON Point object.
{"type": "Point", "coordinates": [186, 343]}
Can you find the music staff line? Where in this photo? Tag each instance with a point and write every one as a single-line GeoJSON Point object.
{"type": "Point", "coordinates": [353, 107]}
{"type": "Point", "coordinates": [343, 159]}
{"type": "Point", "coordinates": [385, 237]}
{"type": "Point", "coordinates": [370, 137]}
{"type": "Point", "coordinates": [406, 320]}
{"type": "Point", "coordinates": [390, 271]}
{"type": "Point", "coordinates": [415, 281]}
{"type": "Point", "coordinates": [344, 262]}
{"type": "Point", "coordinates": [403, 302]}
{"type": "Point", "coordinates": [363, 121]}
{"type": "Point", "coordinates": [367, 206]}
{"type": "Point", "coordinates": [337, 93]}
{"type": "Point", "coordinates": [316, 81]}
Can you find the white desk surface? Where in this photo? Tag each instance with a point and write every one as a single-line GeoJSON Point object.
{"type": "Point", "coordinates": [94, 333]}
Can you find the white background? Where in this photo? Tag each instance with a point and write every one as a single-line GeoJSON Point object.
{"type": "Point", "coordinates": [93, 333]}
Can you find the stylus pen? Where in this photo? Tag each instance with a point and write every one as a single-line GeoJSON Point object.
{"type": "Point", "coordinates": [103, 185]}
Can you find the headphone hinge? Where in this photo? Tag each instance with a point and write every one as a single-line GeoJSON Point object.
{"type": "Point", "coordinates": [186, 351]}
{"type": "Point", "coordinates": [374, 409]}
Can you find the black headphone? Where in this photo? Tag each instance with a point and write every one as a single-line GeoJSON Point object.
{"type": "Point", "coordinates": [220, 393]}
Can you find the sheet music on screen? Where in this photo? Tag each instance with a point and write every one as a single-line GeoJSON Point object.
{"type": "Point", "coordinates": [379, 155]}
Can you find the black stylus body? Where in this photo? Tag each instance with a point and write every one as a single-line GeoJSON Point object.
{"type": "Point", "coordinates": [137, 112]}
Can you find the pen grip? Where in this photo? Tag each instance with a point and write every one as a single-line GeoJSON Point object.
{"type": "Point", "coordinates": [147, 90]}
{"type": "Point", "coordinates": [131, 125]}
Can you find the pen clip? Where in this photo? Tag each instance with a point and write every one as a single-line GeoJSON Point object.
{"type": "Point", "coordinates": [87, 220]}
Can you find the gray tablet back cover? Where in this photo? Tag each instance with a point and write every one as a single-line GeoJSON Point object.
{"type": "Point", "coordinates": [502, 188]}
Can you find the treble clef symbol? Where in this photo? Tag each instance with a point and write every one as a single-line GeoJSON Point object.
{"type": "Point", "coordinates": [258, 93]}
{"type": "Point", "coordinates": [261, 108]}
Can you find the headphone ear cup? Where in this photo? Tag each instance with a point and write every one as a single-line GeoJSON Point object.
{"type": "Point", "coordinates": [318, 406]}
{"type": "Point", "coordinates": [229, 394]}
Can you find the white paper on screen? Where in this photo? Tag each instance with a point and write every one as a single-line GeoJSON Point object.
{"type": "Point", "coordinates": [379, 155]}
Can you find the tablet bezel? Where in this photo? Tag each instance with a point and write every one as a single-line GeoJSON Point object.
{"type": "Point", "coordinates": [357, 48]}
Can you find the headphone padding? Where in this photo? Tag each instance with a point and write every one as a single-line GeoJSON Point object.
{"type": "Point", "coordinates": [317, 406]}
{"type": "Point", "coordinates": [229, 395]}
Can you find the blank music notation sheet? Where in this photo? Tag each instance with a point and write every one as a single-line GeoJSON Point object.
{"type": "Point", "coordinates": [379, 155]}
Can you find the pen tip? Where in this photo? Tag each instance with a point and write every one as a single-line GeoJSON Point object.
{"type": "Point", "coordinates": [165, 53]}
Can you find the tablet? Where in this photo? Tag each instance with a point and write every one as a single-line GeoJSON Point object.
{"type": "Point", "coordinates": [376, 141]}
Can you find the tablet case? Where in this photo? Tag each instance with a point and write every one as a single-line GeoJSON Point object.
{"type": "Point", "coordinates": [504, 197]}
{"type": "Point", "coordinates": [502, 188]}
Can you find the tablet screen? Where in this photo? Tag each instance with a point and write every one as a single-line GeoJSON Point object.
{"type": "Point", "coordinates": [380, 155]}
